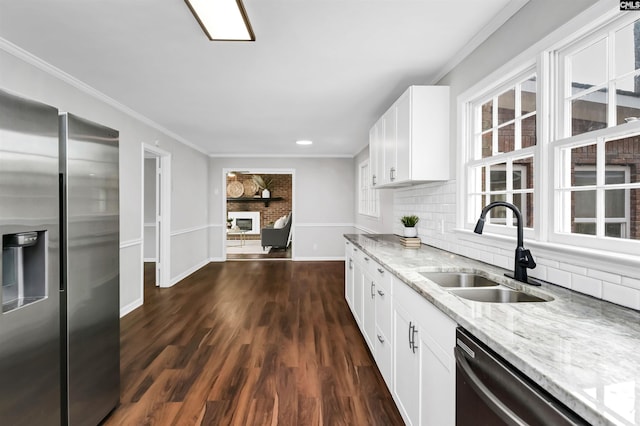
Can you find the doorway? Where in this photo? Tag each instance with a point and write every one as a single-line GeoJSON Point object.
{"type": "Point", "coordinates": [156, 216]}
{"type": "Point", "coordinates": [259, 225]}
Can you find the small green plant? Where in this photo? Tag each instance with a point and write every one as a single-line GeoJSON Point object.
{"type": "Point", "coordinates": [409, 221]}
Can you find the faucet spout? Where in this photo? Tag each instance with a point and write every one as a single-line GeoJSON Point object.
{"type": "Point", "coordinates": [523, 258]}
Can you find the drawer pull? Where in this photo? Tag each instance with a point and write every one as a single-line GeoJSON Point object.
{"type": "Point", "coordinates": [381, 270]}
{"type": "Point", "coordinates": [380, 338]}
{"type": "Point", "coordinates": [366, 259]}
{"type": "Point", "coordinates": [381, 293]}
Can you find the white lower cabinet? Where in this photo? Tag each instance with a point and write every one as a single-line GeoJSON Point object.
{"type": "Point", "coordinates": [406, 365]}
{"type": "Point", "coordinates": [424, 365]}
{"type": "Point", "coordinates": [411, 340]}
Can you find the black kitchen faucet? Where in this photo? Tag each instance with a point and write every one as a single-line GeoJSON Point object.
{"type": "Point", "coordinates": [523, 260]}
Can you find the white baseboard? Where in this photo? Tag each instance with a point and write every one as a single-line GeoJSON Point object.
{"type": "Point", "coordinates": [130, 307]}
{"type": "Point", "coordinates": [216, 259]}
{"type": "Point", "coordinates": [188, 272]}
{"type": "Point", "coordinates": [149, 259]}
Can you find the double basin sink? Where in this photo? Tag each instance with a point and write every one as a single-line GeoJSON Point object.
{"type": "Point", "coordinates": [479, 288]}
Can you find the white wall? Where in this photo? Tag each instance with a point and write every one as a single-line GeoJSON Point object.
{"type": "Point", "coordinates": [27, 76]}
{"type": "Point", "coordinates": [149, 210]}
{"type": "Point", "coordinates": [435, 203]}
{"type": "Point", "coordinates": [323, 208]}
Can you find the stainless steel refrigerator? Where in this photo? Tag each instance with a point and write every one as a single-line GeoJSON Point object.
{"type": "Point", "coordinates": [59, 222]}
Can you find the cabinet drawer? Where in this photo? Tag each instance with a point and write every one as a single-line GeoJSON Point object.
{"type": "Point", "coordinates": [383, 355]}
{"type": "Point", "coordinates": [381, 275]}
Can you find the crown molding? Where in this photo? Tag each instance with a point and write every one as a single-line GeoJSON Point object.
{"type": "Point", "coordinates": [42, 65]}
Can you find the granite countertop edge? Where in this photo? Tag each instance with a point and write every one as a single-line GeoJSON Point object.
{"type": "Point", "coordinates": [519, 332]}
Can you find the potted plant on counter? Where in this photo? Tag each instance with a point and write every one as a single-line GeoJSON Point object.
{"type": "Point", "coordinates": [409, 223]}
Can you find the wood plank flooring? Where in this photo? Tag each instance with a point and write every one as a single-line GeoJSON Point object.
{"type": "Point", "coordinates": [249, 343]}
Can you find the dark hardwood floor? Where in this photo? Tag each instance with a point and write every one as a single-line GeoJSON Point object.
{"type": "Point", "coordinates": [249, 343]}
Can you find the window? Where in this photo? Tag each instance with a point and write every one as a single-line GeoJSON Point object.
{"type": "Point", "coordinates": [568, 129]}
{"type": "Point", "coordinates": [599, 188]}
{"type": "Point", "coordinates": [369, 203]}
{"type": "Point", "coordinates": [599, 79]}
{"type": "Point", "coordinates": [597, 155]}
{"type": "Point", "coordinates": [504, 138]}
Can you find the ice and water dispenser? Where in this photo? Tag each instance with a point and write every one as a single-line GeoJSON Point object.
{"type": "Point", "coordinates": [24, 269]}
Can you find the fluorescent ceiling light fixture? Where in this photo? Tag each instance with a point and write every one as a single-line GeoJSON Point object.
{"type": "Point", "coordinates": [222, 19]}
{"type": "Point", "coordinates": [304, 142]}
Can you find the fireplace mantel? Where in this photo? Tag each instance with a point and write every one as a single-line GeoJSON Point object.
{"type": "Point", "coordinates": [266, 201]}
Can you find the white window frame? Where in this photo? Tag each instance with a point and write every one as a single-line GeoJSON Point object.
{"type": "Point", "coordinates": [562, 140]}
{"type": "Point", "coordinates": [472, 115]}
{"type": "Point", "coordinates": [551, 126]}
{"type": "Point", "coordinates": [595, 33]}
{"type": "Point", "coordinates": [626, 219]}
{"type": "Point", "coordinates": [368, 197]}
{"type": "Point", "coordinates": [559, 189]}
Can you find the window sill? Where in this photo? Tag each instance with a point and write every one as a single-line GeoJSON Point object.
{"type": "Point", "coordinates": [616, 263]}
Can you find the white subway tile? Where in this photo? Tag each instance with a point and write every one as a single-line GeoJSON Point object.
{"type": "Point", "coordinates": [540, 271]}
{"type": "Point", "coordinates": [621, 295]}
{"type": "Point", "coordinates": [604, 276]}
{"type": "Point", "coordinates": [631, 282]}
{"type": "Point", "coordinates": [548, 262]}
{"type": "Point", "coordinates": [587, 285]}
{"type": "Point", "coordinates": [559, 277]}
{"type": "Point", "coordinates": [573, 268]}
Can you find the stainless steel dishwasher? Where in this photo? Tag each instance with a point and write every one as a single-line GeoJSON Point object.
{"type": "Point", "coordinates": [489, 391]}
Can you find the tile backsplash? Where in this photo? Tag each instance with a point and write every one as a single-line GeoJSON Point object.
{"type": "Point", "coordinates": [435, 204]}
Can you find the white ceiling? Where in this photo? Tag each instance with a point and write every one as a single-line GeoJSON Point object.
{"type": "Point", "coordinates": [323, 70]}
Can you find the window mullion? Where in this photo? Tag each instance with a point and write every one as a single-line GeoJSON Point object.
{"type": "Point", "coordinates": [600, 181]}
{"type": "Point", "coordinates": [611, 87]}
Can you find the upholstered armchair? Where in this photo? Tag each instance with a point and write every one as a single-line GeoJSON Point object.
{"type": "Point", "coordinates": [277, 237]}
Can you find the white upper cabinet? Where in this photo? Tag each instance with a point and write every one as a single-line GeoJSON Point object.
{"type": "Point", "coordinates": [410, 142]}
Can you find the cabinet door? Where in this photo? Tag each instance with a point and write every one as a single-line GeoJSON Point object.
{"type": "Point", "coordinates": [389, 142]}
{"type": "Point", "coordinates": [406, 366]}
{"type": "Point", "coordinates": [403, 137]}
{"type": "Point", "coordinates": [438, 402]}
{"type": "Point", "coordinates": [358, 277]}
{"type": "Point", "coordinates": [376, 153]}
{"type": "Point", "coordinates": [369, 311]}
{"type": "Point", "coordinates": [348, 275]}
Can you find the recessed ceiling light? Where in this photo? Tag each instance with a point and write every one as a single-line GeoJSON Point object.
{"type": "Point", "coordinates": [222, 19]}
{"type": "Point", "coordinates": [304, 142]}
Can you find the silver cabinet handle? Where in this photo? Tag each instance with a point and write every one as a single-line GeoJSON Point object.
{"type": "Point", "coordinates": [350, 263]}
{"type": "Point", "coordinates": [366, 259]}
{"type": "Point", "coordinates": [373, 286]}
{"type": "Point", "coordinates": [355, 249]}
{"type": "Point", "coordinates": [380, 338]}
{"type": "Point", "coordinates": [381, 293]}
{"type": "Point", "coordinates": [373, 180]}
{"type": "Point", "coordinates": [381, 270]}
{"type": "Point", "coordinates": [392, 174]}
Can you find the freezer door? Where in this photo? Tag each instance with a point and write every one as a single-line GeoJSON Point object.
{"type": "Point", "coordinates": [90, 169]}
{"type": "Point", "coordinates": [30, 318]}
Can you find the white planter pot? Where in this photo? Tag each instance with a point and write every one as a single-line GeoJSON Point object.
{"type": "Point", "coordinates": [410, 231]}
{"type": "Point", "coordinates": [266, 193]}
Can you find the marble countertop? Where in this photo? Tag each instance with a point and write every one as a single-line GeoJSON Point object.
{"type": "Point", "coordinates": [582, 350]}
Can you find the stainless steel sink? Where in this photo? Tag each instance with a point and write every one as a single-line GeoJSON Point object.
{"type": "Point", "coordinates": [497, 295]}
{"type": "Point", "coordinates": [459, 279]}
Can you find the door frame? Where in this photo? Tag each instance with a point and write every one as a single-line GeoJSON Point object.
{"type": "Point", "coordinates": [163, 214]}
{"type": "Point", "coordinates": [256, 170]}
